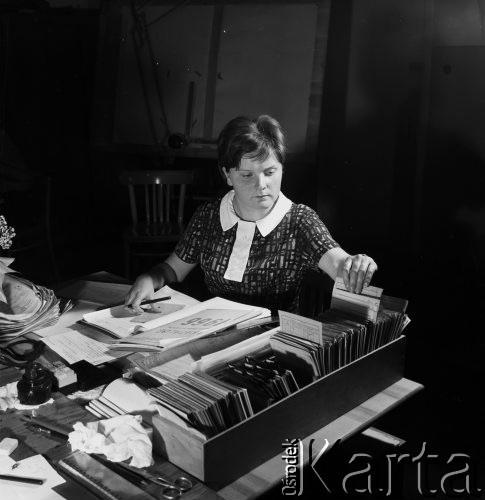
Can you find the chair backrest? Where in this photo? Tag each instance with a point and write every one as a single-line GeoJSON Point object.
{"type": "Point", "coordinates": [157, 196]}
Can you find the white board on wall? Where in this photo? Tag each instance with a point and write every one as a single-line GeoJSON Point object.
{"type": "Point", "coordinates": [180, 43]}
{"type": "Point", "coordinates": [264, 65]}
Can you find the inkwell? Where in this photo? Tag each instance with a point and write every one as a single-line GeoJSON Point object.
{"type": "Point", "coordinates": [34, 388]}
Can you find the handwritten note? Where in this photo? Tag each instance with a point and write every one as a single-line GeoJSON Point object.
{"type": "Point", "coordinates": [74, 346]}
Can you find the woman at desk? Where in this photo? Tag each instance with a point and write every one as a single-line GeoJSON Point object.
{"type": "Point", "coordinates": [254, 245]}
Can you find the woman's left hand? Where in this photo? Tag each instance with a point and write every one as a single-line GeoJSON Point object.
{"type": "Point", "coordinates": [357, 272]}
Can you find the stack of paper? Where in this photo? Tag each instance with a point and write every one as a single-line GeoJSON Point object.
{"type": "Point", "coordinates": [262, 376]}
{"type": "Point", "coordinates": [24, 307]}
{"type": "Point", "coordinates": [210, 405]}
{"type": "Point", "coordinates": [364, 305]}
{"type": "Point", "coordinates": [75, 341]}
{"type": "Point", "coordinates": [314, 348]}
{"type": "Point", "coordinates": [121, 397]}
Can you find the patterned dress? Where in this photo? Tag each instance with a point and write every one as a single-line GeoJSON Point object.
{"type": "Point", "coordinates": [281, 249]}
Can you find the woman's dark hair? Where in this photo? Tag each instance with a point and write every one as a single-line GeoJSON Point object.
{"type": "Point", "coordinates": [254, 138]}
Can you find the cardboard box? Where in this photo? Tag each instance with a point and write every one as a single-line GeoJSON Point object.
{"type": "Point", "coordinates": [234, 452]}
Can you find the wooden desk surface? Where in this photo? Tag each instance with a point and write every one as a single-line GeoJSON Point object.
{"type": "Point", "coordinates": [269, 474]}
{"type": "Point", "coordinates": [252, 484]}
{"type": "Point", "coordinates": [67, 412]}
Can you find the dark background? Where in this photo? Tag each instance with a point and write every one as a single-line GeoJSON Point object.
{"type": "Point", "coordinates": [394, 165]}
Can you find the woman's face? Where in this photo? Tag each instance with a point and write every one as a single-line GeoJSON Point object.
{"type": "Point", "coordinates": [256, 186]}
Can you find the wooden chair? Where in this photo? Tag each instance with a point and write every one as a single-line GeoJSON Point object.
{"type": "Point", "coordinates": [157, 201]}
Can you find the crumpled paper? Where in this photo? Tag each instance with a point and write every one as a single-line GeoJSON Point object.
{"type": "Point", "coordinates": [119, 438]}
{"type": "Point", "coordinates": [87, 395]}
{"type": "Point", "coordinates": [9, 399]}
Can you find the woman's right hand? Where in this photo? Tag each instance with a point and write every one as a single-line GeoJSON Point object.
{"type": "Point", "coordinates": [142, 289]}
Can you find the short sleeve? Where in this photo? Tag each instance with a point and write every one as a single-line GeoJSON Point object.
{"type": "Point", "coordinates": [188, 247]}
{"type": "Point", "coordinates": [314, 238]}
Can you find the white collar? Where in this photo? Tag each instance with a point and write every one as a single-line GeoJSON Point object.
{"type": "Point", "coordinates": [265, 225]}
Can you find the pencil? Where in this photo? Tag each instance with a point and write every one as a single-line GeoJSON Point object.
{"type": "Point", "coordinates": [152, 301]}
{"type": "Point", "coordinates": [22, 479]}
{"type": "Point", "coordinates": [144, 303]}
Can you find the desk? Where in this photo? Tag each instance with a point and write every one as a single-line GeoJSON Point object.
{"type": "Point", "coordinates": [270, 473]}
{"type": "Point", "coordinates": [66, 412]}
{"type": "Point", "coordinates": [260, 479]}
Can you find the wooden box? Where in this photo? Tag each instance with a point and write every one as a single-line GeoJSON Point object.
{"type": "Point", "coordinates": [234, 452]}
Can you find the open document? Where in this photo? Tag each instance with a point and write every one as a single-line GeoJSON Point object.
{"type": "Point", "coordinates": [75, 340]}
{"type": "Point", "coordinates": [120, 321]}
{"type": "Point", "coordinates": [202, 319]}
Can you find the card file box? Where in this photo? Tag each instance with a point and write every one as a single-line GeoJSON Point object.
{"type": "Point", "coordinates": [234, 452]}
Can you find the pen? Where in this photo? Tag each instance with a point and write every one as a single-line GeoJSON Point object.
{"type": "Point", "coordinates": [47, 432]}
{"type": "Point", "coordinates": [39, 423]}
{"type": "Point", "coordinates": [22, 479]}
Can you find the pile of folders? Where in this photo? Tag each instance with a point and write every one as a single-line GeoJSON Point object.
{"type": "Point", "coordinates": [344, 338]}
{"type": "Point", "coordinates": [204, 402]}
{"type": "Point", "coordinates": [213, 403]}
